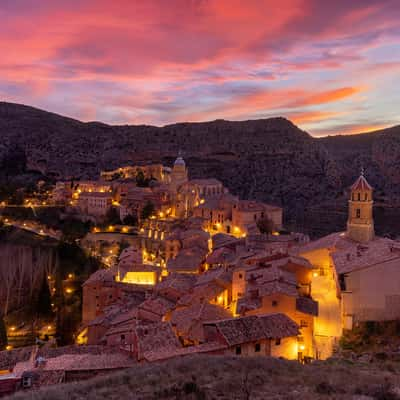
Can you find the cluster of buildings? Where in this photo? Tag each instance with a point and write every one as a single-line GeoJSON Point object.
{"type": "Point", "coordinates": [203, 276]}
{"type": "Point", "coordinates": [172, 196]}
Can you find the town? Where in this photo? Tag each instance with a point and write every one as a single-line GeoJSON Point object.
{"type": "Point", "coordinates": [189, 268]}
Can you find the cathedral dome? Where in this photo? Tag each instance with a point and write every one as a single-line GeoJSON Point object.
{"type": "Point", "coordinates": [179, 161]}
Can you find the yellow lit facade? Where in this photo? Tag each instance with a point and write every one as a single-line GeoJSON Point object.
{"type": "Point", "coordinates": [140, 278]}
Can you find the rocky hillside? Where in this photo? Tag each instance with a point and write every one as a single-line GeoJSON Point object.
{"type": "Point", "coordinates": [223, 377]}
{"type": "Point", "coordinates": [269, 159]}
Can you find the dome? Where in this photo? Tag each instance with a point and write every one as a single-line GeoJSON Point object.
{"type": "Point", "coordinates": [179, 161]}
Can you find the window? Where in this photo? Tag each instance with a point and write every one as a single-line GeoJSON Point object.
{"type": "Point", "coordinates": [238, 350]}
{"type": "Point", "coordinates": [358, 213]}
{"type": "Point", "coordinates": [257, 347]}
{"type": "Point", "coordinates": [366, 197]}
{"type": "Point", "coordinates": [240, 276]}
{"type": "Point", "coordinates": [359, 196]}
{"type": "Point", "coordinates": [26, 382]}
{"type": "Point", "coordinates": [303, 324]}
{"type": "Point", "coordinates": [274, 303]}
{"type": "Point", "coordinates": [122, 338]}
{"type": "Point", "coordinates": [277, 342]}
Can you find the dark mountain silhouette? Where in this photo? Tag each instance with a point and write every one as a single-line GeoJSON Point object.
{"type": "Point", "coordinates": [268, 159]}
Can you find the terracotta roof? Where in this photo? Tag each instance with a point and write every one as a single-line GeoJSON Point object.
{"type": "Point", "coordinates": [8, 358]}
{"type": "Point", "coordinates": [75, 362]}
{"type": "Point", "coordinates": [277, 326]}
{"type": "Point", "coordinates": [52, 352]}
{"type": "Point", "coordinates": [208, 347]}
{"type": "Point", "coordinates": [159, 306]}
{"type": "Point", "coordinates": [349, 255]}
{"type": "Point", "coordinates": [177, 283]}
{"type": "Point", "coordinates": [189, 321]}
{"type": "Point", "coordinates": [101, 275]}
{"type": "Point", "coordinates": [241, 330]}
{"type": "Point", "coordinates": [187, 260]}
{"type": "Point", "coordinates": [155, 338]}
{"type": "Point", "coordinates": [221, 255]}
{"type": "Point", "coordinates": [361, 184]}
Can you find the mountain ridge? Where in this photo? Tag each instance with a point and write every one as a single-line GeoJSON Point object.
{"type": "Point", "coordinates": [270, 160]}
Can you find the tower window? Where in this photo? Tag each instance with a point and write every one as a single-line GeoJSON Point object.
{"type": "Point", "coordinates": [366, 196]}
{"type": "Point", "coordinates": [238, 350]}
{"type": "Point", "coordinates": [257, 347]}
{"type": "Point", "coordinates": [358, 213]}
{"type": "Point", "coordinates": [359, 196]}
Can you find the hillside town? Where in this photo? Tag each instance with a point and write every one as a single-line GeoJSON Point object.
{"type": "Point", "coordinates": [190, 268]}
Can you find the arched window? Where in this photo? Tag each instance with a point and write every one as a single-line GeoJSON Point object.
{"type": "Point", "coordinates": [359, 196]}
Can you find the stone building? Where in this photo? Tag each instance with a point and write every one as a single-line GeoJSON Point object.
{"type": "Point", "coordinates": [355, 272]}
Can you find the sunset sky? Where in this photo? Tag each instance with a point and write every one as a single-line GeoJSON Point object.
{"type": "Point", "coordinates": [329, 66]}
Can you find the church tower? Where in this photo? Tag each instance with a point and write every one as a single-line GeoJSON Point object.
{"type": "Point", "coordinates": [179, 173]}
{"type": "Point", "coordinates": [360, 222]}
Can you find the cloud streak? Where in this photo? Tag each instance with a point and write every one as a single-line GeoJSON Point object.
{"type": "Point", "coordinates": [153, 62]}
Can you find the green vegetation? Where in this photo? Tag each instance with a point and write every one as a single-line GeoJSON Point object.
{"type": "Point", "coordinates": [68, 298]}
{"type": "Point", "coordinates": [43, 305]}
{"type": "Point", "coordinates": [3, 334]}
{"type": "Point", "coordinates": [112, 217]}
{"type": "Point", "coordinates": [147, 211]}
{"type": "Point", "coordinates": [73, 229]}
{"type": "Point", "coordinates": [265, 225]}
{"type": "Point", "coordinates": [130, 220]}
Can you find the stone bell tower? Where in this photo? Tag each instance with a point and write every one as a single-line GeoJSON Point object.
{"type": "Point", "coordinates": [360, 222]}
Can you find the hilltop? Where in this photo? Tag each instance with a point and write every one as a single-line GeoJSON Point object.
{"type": "Point", "coordinates": [268, 159]}
{"type": "Point", "coordinates": [223, 377]}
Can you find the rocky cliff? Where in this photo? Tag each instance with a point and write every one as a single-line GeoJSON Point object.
{"type": "Point", "coordinates": [268, 159]}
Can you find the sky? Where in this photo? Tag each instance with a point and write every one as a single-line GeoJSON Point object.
{"type": "Point", "coordinates": [332, 67]}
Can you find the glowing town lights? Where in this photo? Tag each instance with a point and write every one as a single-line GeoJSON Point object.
{"type": "Point", "coordinates": [302, 347]}
{"type": "Point", "coordinates": [9, 347]}
{"type": "Point", "coordinates": [218, 225]}
{"type": "Point", "coordinates": [275, 233]}
{"type": "Point", "coordinates": [202, 201]}
{"type": "Point", "coordinates": [315, 274]}
{"type": "Point", "coordinates": [12, 328]}
{"type": "Point", "coordinates": [110, 228]}
{"type": "Point", "coordinates": [49, 327]}
{"type": "Point", "coordinates": [236, 229]}
{"type": "Point", "coordinates": [161, 214]}
{"type": "Point", "coordinates": [70, 276]}
{"type": "Point", "coordinates": [220, 299]}
{"type": "Point", "coordinates": [96, 230]}
{"type": "Point", "coordinates": [49, 277]}
{"type": "Point", "coordinates": [68, 290]}
{"type": "Point", "coordinates": [110, 251]}
{"type": "Point", "coordinates": [125, 229]}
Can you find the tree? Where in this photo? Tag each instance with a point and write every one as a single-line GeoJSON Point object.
{"type": "Point", "coordinates": [130, 220]}
{"type": "Point", "coordinates": [112, 217]}
{"type": "Point", "coordinates": [43, 308]}
{"type": "Point", "coordinates": [147, 210]}
{"type": "Point", "coordinates": [265, 225]}
{"type": "Point", "coordinates": [73, 229]}
{"type": "Point", "coordinates": [141, 180]}
{"type": "Point", "coordinates": [3, 334]}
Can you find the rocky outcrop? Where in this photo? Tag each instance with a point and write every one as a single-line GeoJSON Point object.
{"type": "Point", "coordinates": [269, 159]}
